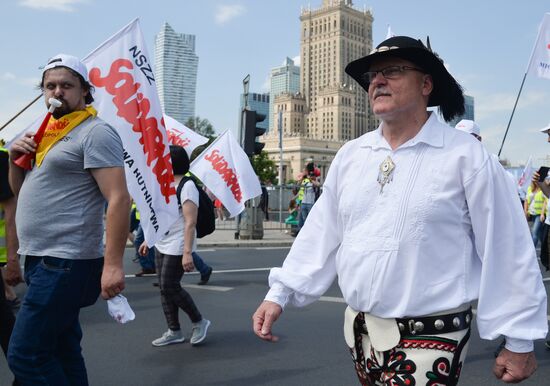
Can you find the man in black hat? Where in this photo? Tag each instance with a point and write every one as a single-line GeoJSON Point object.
{"type": "Point", "coordinates": [411, 220]}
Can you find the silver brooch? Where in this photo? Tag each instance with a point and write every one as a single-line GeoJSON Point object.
{"type": "Point", "coordinates": [385, 174]}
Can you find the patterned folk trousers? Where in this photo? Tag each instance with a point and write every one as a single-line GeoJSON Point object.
{"type": "Point", "coordinates": [431, 360]}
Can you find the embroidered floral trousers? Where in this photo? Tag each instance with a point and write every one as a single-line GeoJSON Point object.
{"type": "Point", "coordinates": [431, 360]}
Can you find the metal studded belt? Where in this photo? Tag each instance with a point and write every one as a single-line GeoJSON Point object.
{"type": "Point", "coordinates": [434, 325]}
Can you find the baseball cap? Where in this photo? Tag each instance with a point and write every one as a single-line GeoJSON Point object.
{"type": "Point", "coordinates": [468, 126]}
{"type": "Point", "coordinates": [72, 62]}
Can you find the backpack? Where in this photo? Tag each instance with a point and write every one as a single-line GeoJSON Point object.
{"type": "Point", "coordinates": [206, 219]}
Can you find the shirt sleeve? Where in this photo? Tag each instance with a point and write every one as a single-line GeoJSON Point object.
{"type": "Point", "coordinates": [512, 298]}
{"type": "Point", "coordinates": [309, 268]}
{"type": "Point", "coordinates": [103, 148]}
{"type": "Point", "coordinates": [189, 192]}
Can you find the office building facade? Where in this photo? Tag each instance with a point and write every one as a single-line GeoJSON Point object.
{"type": "Point", "coordinates": [283, 80]}
{"type": "Point", "coordinates": [176, 66]}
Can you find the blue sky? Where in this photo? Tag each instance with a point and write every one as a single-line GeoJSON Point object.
{"type": "Point", "coordinates": [485, 44]}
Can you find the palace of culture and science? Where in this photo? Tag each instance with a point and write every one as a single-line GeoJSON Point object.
{"type": "Point", "coordinates": [330, 107]}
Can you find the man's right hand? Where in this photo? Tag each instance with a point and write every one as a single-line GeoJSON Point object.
{"type": "Point", "coordinates": [13, 275]}
{"type": "Point", "coordinates": [23, 145]}
{"type": "Point", "coordinates": [264, 317]}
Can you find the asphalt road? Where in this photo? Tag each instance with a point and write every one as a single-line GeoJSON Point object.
{"type": "Point", "coordinates": [311, 350]}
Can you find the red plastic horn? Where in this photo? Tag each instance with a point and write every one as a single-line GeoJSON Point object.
{"type": "Point", "coordinates": [25, 161]}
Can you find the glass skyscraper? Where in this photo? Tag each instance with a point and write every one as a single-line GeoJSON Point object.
{"type": "Point", "coordinates": [176, 65]}
{"type": "Point", "coordinates": [284, 79]}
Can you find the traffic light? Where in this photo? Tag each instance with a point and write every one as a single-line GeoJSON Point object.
{"type": "Point", "coordinates": [251, 131]}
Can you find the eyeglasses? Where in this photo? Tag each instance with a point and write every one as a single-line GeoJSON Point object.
{"type": "Point", "coordinates": [391, 72]}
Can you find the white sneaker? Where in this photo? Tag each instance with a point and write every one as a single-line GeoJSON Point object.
{"type": "Point", "coordinates": [199, 331]}
{"type": "Point", "coordinates": [169, 337]}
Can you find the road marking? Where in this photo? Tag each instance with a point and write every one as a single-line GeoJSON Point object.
{"type": "Point", "coordinates": [243, 270]}
{"type": "Point", "coordinates": [331, 299]}
{"type": "Point", "coordinates": [206, 250]}
{"type": "Point", "coordinates": [208, 287]}
{"type": "Point", "coordinates": [272, 248]}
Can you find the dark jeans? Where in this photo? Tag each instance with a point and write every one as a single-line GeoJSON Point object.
{"type": "Point", "coordinates": [304, 212]}
{"type": "Point", "coordinates": [147, 261]}
{"type": "Point", "coordinates": [200, 265]}
{"type": "Point", "coordinates": [45, 343]}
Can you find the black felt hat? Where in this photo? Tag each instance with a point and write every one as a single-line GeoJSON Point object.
{"type": "Point", "coordinates": [446, 93]}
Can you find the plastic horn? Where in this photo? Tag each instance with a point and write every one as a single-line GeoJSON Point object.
{"type": "Point", "coordinates": [26, 160]}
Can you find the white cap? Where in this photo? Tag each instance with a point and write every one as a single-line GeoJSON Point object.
{"type": "Point", "coordinates": [468, 126]}
{"type": "Point", "coordinates": [545, 129]}
{"type": "Point", "coordinates": [72, 62]}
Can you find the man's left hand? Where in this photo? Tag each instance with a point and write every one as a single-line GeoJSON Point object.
{"type": "Point", "coordinates": [13, 274]}
{"type": "Point", "coordinates": [112, 282]}
{"type": "Point", "coordinates": [511, 367]}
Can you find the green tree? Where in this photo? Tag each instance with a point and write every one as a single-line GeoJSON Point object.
{"type": "Point", "coordinates": [201, 126]}
{"type": "Point", "coordinates": [264, 167]}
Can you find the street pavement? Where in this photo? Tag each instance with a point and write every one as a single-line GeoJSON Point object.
{"type": "Point", "coordinates": [311, 350]}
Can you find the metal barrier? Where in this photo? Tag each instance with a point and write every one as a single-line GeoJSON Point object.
{"type": "Point", "coordinates": [276, 214]}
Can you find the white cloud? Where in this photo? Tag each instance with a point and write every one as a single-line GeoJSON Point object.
{"type": "Point", "coordinates": [500, 103]}
{"type": "Point", "coordinates": [7, 76]}
{"type": "Point", "coordinates": [55, 5]}
{"type": "Point", "coordinates": [11, 77]}
{"type": "Point", "coordinates": [225, 13]}
{"type": "Point", "coordinates": [296, 60]}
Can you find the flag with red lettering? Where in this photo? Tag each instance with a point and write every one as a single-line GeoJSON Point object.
{"type": "Point", "coordinates": [525, 178]}
{"type": "Point", "coordinates": [126, 97]}
{"type": "Point", "coordinates": [226, 170]}
{"type": "Point", "coordinates": [181, 135]}
{"type": "Point", "coordinates": [539, 64]}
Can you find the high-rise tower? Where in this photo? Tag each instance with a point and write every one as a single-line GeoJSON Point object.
{"type": "Point", "coordinates": [284, 79]}
{"type": "Point", "coordinates": [176, 67]}
{"type": "Point", "coordinates": [331, 37]}
{"type": "Point", "coordinates": [331, 108]}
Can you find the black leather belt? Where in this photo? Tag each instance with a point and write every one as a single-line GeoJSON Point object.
{"type": "Point", "coordinates": [434, 325]}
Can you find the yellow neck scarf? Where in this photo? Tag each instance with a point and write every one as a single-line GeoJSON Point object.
{"type": "Point", "coordinates": [58, 128]}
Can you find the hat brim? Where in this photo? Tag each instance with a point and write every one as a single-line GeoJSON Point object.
{"type": "Point", "coordinates": [444, 83]}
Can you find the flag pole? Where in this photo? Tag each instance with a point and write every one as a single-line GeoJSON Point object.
{"type": "Point", "coordinates": [539, 35]}
{"type": "Point", "coordinates": [511, 116]}
{"type": "Point", "coordinates": [20, 112]}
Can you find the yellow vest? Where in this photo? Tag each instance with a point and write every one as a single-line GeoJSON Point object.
{"type": "Point", "coordinates": [538, 197]}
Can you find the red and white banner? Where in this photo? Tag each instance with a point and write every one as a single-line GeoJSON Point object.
{"type": "Point", "coordinates": [126, 97]}
{"type": "Point", "coordinates": [181, 135]}
{"type": "Point", "coordinates": [539, 64]}
{"type": "Point", "coordinates": [226, 170]}
{"type": "Point", "coordinates": [526, 176]}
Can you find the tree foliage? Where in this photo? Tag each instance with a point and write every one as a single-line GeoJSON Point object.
{"type": "Point", "coordinates": [201, 126]}
{"type": "Point", "coordinates": [264, 167]}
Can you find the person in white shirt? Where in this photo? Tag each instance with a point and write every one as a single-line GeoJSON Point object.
{"type": "Point", "coordinates": [173, 257]}
{"type": "Point", "coordinates": [415, 221]}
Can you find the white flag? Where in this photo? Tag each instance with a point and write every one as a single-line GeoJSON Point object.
{"type": "Point", "coordinates": [525, 178]}
{"type": "Point", "coordinates": [226, 170]}
{"type": "Point", "coordinates": [181, 135]}
{"type": "Point", "coordinates": [126, 97]}
{"type": "Point", "coordinates": [539, 64]}
{"type": "Point", "coordinates": [390, 33]}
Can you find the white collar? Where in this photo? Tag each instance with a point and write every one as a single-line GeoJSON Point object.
{"type": "Point", "coordinates": [431, 134]}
